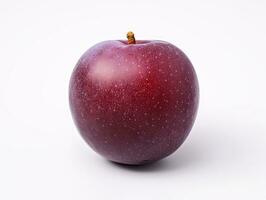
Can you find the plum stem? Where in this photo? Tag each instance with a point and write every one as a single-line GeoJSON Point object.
{"type": "Point", "coordinates": [131, 38]}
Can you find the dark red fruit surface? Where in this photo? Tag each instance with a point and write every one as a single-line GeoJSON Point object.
{"type": "Point", "coordinates": [134, 103]}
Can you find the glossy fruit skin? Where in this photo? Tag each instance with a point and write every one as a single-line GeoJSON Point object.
{"type": "Point", "coordinates": [134, 103]}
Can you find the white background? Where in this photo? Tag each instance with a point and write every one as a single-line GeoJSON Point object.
{"type": "Point", "coordinates": [42, 155]}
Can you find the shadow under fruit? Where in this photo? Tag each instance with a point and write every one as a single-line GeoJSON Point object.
{"type": "Point", "coordinates": [134, 101]}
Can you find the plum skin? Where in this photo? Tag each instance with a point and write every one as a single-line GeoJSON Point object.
{"type": "Point", "coordinates": [134, 104]}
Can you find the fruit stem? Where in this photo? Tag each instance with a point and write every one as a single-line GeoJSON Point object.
{"type": "Point", "coordinates": [131, 38]}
